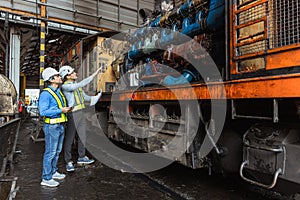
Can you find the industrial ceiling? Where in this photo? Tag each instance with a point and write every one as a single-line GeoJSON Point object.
{"type": "Point", "coordinates": [66, 22]}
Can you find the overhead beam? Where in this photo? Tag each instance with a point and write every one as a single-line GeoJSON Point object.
{"type": "Point", "coordinates": [52, 19]}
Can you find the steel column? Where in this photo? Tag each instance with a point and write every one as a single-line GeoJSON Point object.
{"type": "Point", "coordinates": [42, 42]}
{"type": "Point", "coordinates": [14, 61]}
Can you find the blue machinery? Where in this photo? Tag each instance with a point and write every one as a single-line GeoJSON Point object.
{"type": "Point", "coordinates": [175, 27]}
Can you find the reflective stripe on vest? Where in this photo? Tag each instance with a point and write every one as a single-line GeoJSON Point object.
{"type": "Point", "coordinates": [63, 117]}
{"type": "Point", "coordinates": [79, 104]}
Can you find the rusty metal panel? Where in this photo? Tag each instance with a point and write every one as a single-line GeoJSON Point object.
{"type": "Point", "coordinates": [264, 87]}
{"type": "Point", "coordinates": [262, 32]}
{"type": "Point", "coordinates": [275, 60]}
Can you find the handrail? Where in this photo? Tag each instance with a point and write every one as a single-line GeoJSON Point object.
{"type": "Point", "coordinates": [277, 173]}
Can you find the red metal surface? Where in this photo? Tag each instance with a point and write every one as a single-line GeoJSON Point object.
{"type": "Point", "coordinates": [284, 86]}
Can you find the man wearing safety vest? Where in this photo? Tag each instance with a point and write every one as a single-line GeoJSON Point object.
{"type": "Point", "coordinates": [52, 106]}
{"type": "Point", "coordinates": [76, 122]}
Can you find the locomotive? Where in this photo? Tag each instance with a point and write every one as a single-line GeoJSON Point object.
{"type": "Point", "coordinates": [220, 78]}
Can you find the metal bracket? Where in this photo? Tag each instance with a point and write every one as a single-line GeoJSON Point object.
{"type": "Point", "coordinates": [36, 130]}
{"type": "Point", "coordinates": [274, 118]}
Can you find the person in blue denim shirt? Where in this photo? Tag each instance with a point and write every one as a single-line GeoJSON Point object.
{"type": "Point", "coordinates": [52, 106]}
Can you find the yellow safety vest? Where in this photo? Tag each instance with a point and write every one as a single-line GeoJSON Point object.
{"type": "Point", "coordinates": [63, 117]}
{"type": "Point", "coordinates": [79, 105]}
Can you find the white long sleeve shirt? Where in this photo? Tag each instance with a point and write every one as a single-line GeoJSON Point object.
{"type": "Point", "coordinates": [68, 90]}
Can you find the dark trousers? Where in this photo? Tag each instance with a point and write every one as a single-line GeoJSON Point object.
{"type": "Point", "coordinates": [76, 125]}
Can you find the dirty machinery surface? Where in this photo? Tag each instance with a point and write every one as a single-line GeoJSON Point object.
{"type": "Point", "coordinates": [9, 131]}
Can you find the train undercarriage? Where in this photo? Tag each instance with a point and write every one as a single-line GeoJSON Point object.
{"type": "Point", "coordinates": [263, 148]}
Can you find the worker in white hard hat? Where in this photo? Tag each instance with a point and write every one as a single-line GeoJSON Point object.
{"type": "Point", "coordinates": [76, 122]}
{"type": "Point", "coordinates": [53, 107]}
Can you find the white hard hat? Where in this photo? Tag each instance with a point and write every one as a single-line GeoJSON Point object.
{"type": "Point", "coordinates": [65, 70]}
{"type": "Point", "coordinates": [48, 73]}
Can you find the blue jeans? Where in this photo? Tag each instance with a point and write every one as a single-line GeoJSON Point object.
{"type": "Point", "coordinates": [54, 136]}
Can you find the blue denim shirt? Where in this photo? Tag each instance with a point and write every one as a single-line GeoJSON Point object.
{"type": "Point", "coordinates": [48, 106]}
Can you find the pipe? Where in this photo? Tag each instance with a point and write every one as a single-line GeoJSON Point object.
{"type": "Point", "coordinates": [145, 13]}
{"type": "Point", "coordinates": [213, 22]}
{"type": "Point", "coordinates": [227, 42]}
{"type": "Point", "coordinates": [192, 29]}
{"type": "Point", "coordinates": [186, 77]}
{"type": "Point", "coordinates": [136, 50]}
{"type": "Point", "coordinates": [155, 23]}
{"type": "Point", "coordinates": [184, 9]}
{"type": "Point", "coordinates": [215, 19]}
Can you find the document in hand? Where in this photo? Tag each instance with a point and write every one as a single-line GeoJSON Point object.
{"type": "Point", "coordinates": [94, 99]}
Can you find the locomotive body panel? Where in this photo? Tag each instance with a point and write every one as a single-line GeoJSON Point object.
{"type": "Point", "coordinates": [251, 88]}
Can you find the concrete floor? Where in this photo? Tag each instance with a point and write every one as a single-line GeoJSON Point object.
{"type": "Point", "coordinates": [94, 181]}
{"type": "Point", "coordinates": [98, 181]}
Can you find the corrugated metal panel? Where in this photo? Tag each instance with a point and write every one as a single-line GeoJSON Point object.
{"type": "Point", "coordinates": [19, 5]}
{"type": "Point", "coordinates": [147, 4]}
{"type": "Point", "coordinates": [130, 16]}
{"type": "Point", "coordinates": [5, 3]}
{"type": "Point", "coordinates": [110, 12]}
{"type": "Point", "coordinates": [88, 11]}
{"type": "Point", "coordinates": [87, 6]}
